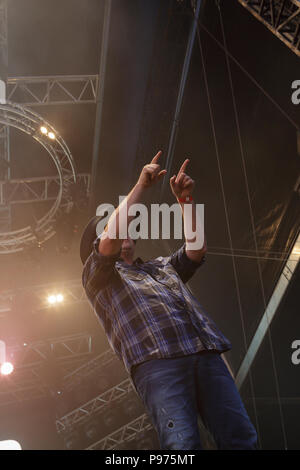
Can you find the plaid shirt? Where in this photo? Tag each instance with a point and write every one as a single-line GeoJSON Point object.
{"type": "Point", "coordinates": [145, 308]}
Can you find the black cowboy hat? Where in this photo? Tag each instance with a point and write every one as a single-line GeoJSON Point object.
{"type": "Point", "coordinates": [88, 237]}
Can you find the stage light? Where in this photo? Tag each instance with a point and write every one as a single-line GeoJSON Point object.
{"type": "Point", "coordinates": [52, 299]}
{"type": "Point", "coordinates": [10, 445]}
{"type": "Point", "coordinates": [6, 368]}
{"type": "Point", "coordinates": [55, 298]}
{"type": "Point", "coordinates": [51, 135]}
{"type": "Point", "coordinates": [44, 130]}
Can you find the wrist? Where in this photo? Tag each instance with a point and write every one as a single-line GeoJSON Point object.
{"type": "Point", "coordinates": [185, 200]}
{"type": "Point", "coordinates": [140, 186]}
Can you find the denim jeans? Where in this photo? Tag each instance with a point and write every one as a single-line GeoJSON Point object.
{"type": "Point", "coordinates": [175, 391]}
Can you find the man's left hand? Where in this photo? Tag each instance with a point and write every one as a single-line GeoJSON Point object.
{"type": "Point", "coordinates": [182, 185]}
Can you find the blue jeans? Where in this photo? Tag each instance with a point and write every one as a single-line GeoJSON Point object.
{"type": "Point", "coordinates": [174, 391]}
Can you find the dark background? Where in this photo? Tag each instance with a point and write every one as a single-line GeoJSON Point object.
{"type": "Point", "coordinates": [147, 43]}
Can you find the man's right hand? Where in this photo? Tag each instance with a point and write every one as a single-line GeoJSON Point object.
{"type": "Point", "coordinates": [151, 173]}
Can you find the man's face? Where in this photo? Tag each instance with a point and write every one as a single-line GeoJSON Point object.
{"type": "Point", "coordinates": [128, 247]}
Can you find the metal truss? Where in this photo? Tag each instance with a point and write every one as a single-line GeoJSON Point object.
{"type": "Point", "coordinates": [32, 124]}
{"type": "Point", "coordinates": [5, 209]}
{"type": "Point", "coordinates": [5, 218]}
{"type": "Point", "coordinates": [125, 434]}
{"type": "Point", "coordinates": [72, 291]}
{"type": "Point", "coordinates": [26, 382]}
{"type": "Point", "coordinates": [91, 368]}
{"type": "Point", "coordinates": [268, 315]}
{"type": "Point", "coordinates": [72, 353]}
{"type": "Point", "coordinates": [5, 212]}
{"type": "Point", "coordinates": [282, 17]}
{"type": "Point", "coordinates": [36, 189]}
{"type": "Point", "coordinates": [116, 393]}
{"type": "Point", "coordinates": [52, 90]}
{"type": "Point", "coordinates": [30, 355]}
{"type": "Point", "coordinates": [3, 31]}
{"type": "Point", "coordinates": [4, 152]}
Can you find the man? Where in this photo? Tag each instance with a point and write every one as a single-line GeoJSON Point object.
{"type": "Point", "coordinates": [169, 345]}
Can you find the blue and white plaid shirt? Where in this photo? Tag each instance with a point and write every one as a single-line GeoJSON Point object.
{"type": "Point", "coordinates": [145, 308]}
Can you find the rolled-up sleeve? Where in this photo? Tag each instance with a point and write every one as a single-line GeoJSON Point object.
{"type": "Point", "coordinates": [184, 266]}
{"type": "Point", "coordinates": [99, 269]}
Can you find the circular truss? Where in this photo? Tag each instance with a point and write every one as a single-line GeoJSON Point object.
{"type": "Point", "coordinates": [27, 121]}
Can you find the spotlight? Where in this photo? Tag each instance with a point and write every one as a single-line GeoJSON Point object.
{"type": "Point", "coordinates": [10, 445]}
{"type": "Point", "coordinates": [6, 368]}
{"type": "Point", "coordinates": [52, 299]}
{"type": "Point", "coordinates": [51, 135]}
{"type": "Point", "coordinates": [55, 298]}
{"type": "Point", "coordinates": [44, 130]}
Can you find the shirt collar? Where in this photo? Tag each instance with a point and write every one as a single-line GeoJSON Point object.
{"type": "Point", "coordinates": [137, 260]}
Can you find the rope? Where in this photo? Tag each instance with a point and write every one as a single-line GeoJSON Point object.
{"type": "Point", "coordinates": [227, 222]}
{"type": "Point", "coordinates": [252, 223]}
{"type": "Point", "coordinates": [245, 256]}
{"type": "Point", "coordinates": [253, 80]}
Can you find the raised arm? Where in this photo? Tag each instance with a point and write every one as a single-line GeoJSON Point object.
{"type": "Point", "coordinates": [182, 187]}
{"type": "Point", "coordinates": [120, 220]}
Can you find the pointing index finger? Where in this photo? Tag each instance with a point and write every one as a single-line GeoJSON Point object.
{"type": "Point", "coordinates": [155, 159]}
{"type": "Point", "coordinates": [183, 167]}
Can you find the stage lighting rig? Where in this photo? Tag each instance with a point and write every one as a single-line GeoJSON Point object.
{"type": "Point", "coordinates": [32, 124]}
{"type": "Point", "coordinates": [55, 299]}
{"type": "Point", "coordinates": [6, 368]}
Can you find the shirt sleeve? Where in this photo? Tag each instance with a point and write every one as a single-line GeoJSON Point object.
{"type": "Point", "coordinates": [99, 269]}
{"type": "Point", "coordinates": [184, 266]}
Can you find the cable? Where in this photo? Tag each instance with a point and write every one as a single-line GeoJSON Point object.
{"type": "Point", "coordinates": [284, 254]}
{"type": "Point", "coordinates": [292, 122]}
{"type": "Point", "coordinates": [252, 222]}
{"type": "Point", "coordinates": [227, 221]}
{"type": "Point", "coordinates": [209, 252]}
